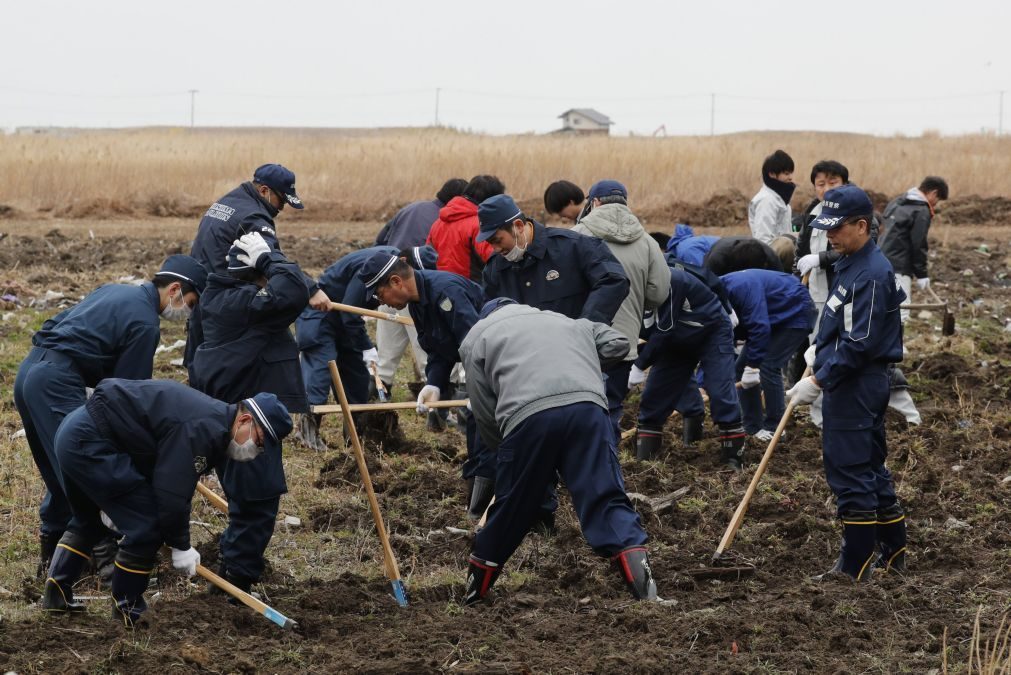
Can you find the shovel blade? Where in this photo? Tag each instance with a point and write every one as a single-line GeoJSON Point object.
{"type": "Point", "coordinates": [399, 592]}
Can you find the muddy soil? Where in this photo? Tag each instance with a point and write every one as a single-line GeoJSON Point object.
{"type": "Point", "coordinates": [558, 607]}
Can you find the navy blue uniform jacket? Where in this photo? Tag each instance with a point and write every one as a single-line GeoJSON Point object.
{"type": "Point", "coordinates": [860, 324]}
{"type": "Point", "coordinates": [410, 226]}
{"type": "Point", "coordinates": [564, 272]}
{"type": "Point", "coordinates": [444, 314]}
{"type": "Point", "coordinates": [248, 347]}
{"type": "Point", "coordinates": [689, 313]}
{"type": "Point", "coordinates": [341, 283]}
{"type": "Point", "coordinates": [113, 332]}
{"type": "Point", "coordinates": [764, 300]}
{"type": "Point", "coordinates": [239, 212]}
{"type": "Point", "coordinates": [170, 433]}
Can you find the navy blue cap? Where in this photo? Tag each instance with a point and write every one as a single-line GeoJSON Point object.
{"type": "Point", "coordinates": [492, 305]}
{"type": "Point", "coordinates": [374, 269]}
{"type": "Point", "coordinates": [184, 268]}
{"type": "Point", "coordinates": [607, 188]}
{"type": "Point", "coordinates": [271, 416]}
{"type": "Point", "coordinates": [280, 180]}
{"type": "Point", "coordinates": [496, 212]}
{"type": "Point", "coordinates": [423, 258]}
{"type": "Point", "coordinates": [841, 203]}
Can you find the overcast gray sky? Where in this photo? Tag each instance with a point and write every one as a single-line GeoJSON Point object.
{"type": "Point", "coordinates": [503, 67]}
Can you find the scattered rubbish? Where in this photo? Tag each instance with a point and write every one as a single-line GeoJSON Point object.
{"type": "Point", "coordinates": [20, 433]}
{"type": "Point", "coordinates": [956, 468]}
{"type": "Point", "coordinates": [1007, 479]}
{"type": "Point", "coordinates": [176, 362]}
{"type": "Point", "coordinates": [983, 248]}
{"type": "Point", "coordinates": [953, 523]}
{"type": "Point", "coordinates": [964, 424]}
{"type": "Point", "coordinates": [178, 344]}
{"type": "Point", "coordinates": [967, 273]}
{"type": "Point", "coordinates": [7, 316]}
{"type": "Point", "coordinates": [457, 530]}
{"type": "Point", "coordinates": [292, 521]}
{"type": "Point", "coordinates": [50, 296]}
{"type": "Point", "coordinates": [925, 314]}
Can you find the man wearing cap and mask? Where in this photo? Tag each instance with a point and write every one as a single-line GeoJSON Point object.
{"type": "Point", "coordinates": [340, 336]}
{"type": "Point", "coordinates": [134, 452]}
{"type": "Point", "coordinates": [251, 207]}
{"type": "Point", "coordinates": [535, 389]}
{"type": "Point", "coordinates": [860, 334]}
{"type": "Point", "coordinates": [606, 216]}
{"type": "Point", "coordinates": [113, 332]}
{"type": "Point", "coordinates": [444, 307]}
{"type": "Point", "coordinates": [549, 267]}
{"type": "Point", "coordinates": [248, 348]}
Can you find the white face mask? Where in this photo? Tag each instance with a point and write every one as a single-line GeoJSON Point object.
{"type": "Point", "coordinates": [244, 452]}
{"type": "Point", "coordinates": [173, 313]}
{"type": "Point", "coordinates": [517, 252]}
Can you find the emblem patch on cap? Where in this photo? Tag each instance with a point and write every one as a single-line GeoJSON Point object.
{"type": "Point", "coordinates": [551, 275]}
{"type": "Point", "coordinates": [200, 464]}
{"type": "Point", "coordinates": [446, 305]}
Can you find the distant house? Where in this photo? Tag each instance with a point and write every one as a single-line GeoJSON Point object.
{"type": "Point", "coordinates": [584, 121]}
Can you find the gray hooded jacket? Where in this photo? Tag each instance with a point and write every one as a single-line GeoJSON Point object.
{"type": "Point", "coordinates": [640, 255]}
{"type": "Point", "coordinates": [521, 360]}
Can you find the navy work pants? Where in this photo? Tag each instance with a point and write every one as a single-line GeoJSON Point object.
{"type": "Point", "coordinates": [616, 389]}
{"type": "Point", "coordinates": [783, 342]}
{"type": "Point", "coordinates": [853, 442]}
{"type": "Point", "coordinates": [48, 387]}
{"type": "Point", "coordinates": [354, 374]}
{"type": "Point", "coordinates": [672, 375]}
{"type": "Point", "coordinates": [576, 442]}
{"type": "Point", "coordinates": [99, 477]}
{"type": "Point", "coordinates": [250, 527]}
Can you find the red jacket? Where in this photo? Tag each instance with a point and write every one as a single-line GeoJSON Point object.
{"type": "Point", "coordinates": [454, 237]}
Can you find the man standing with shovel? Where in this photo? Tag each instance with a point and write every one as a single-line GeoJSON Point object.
{"type": "Point", "coordinates": [859, 336]}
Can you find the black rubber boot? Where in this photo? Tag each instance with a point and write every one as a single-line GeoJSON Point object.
{"type": "Point", "coordinates": [436, 421]}
{"type": "Point", "coordinates": [480, 496]}
{"type": "Point", "coordinates": [47, 546]}
{"type": "Point", "coordinates": [858, 547]}
{"type": "Point", "coordinates": [891, 533]}
{"type": "Point", "coordinates": [103, 558]}
{"type": "Point", "coordinates": [633, 565]}
{"type": "Point", "coordinates": [691, 433]}
{"type": "Point", "coordinates": [732, 438]}
{"type": "Point", "coordinates": [647, 442]}
{"type": "Point", "coordinates": [129, 581]}
{"type": "Point", "coordinates": [480, 578]}
{"type": "Point", "coordinates": [68, 561]}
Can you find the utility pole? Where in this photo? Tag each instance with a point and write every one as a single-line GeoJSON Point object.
{"type": "Point", "coordinates": [712, 114]}
{"type": "Point", "coordinates": [1000, 114]}
{"type": "Point", "coordinates": [193, 107]}
{"type": "Point", "coordinates": [438, 90]}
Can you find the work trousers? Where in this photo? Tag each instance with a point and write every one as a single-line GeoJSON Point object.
{"type": "Point", "coordinates": [47, 388]}
{"type": "Point", "coordinates": [574, 441]}
{"type": "Point", "coordinates": [853, 441]}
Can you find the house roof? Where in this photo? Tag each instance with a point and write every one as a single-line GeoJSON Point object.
{"type": "Point", "coordinates": [598, 117]}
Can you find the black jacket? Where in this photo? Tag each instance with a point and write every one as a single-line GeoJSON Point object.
{"type": "Point", "coordinates": [248, 347]}
{"type": "Point", "coordinates": [171, 433]}
{"type": "Point", "coordinates": [904, 243]}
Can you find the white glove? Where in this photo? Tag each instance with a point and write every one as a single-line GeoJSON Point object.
{"type": "Point", "coordinates": [734, 321]}
{"type": "Point", "coordinates": [750, 378]}
{"type": "Point", "coordinates": [428, 394]}
{"type": "Point", "coordinates": [254, 246]}
{"type": "Point", "coordinates": [186, 561]}
{"type": "Point", "coordinates": [805, 391]}
{"type": "Point", "coordinates": [807, 263]}
{"type": "Point", "coordinates": [636, 376]}
{"type": "Point", "coordinates": [923, 284]}
{"type": "Point", "coordinates": [809, 355]}
{"type": "Point", "coordinates": [370, 356]}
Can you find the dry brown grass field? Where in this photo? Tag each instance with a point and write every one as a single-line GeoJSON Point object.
{"type": "Point", "coordinates": [366, 175]}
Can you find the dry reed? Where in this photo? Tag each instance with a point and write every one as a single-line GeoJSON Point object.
{"type": "Point", "coordinates": [372, 171]}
